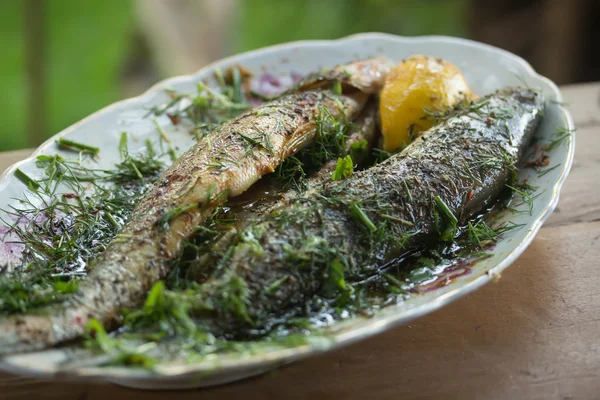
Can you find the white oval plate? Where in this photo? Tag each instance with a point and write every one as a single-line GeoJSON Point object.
{"type": "Point", "coordinates": [486, 69]}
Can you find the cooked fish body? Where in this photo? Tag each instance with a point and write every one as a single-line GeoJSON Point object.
{"type": "Point", "coordinates": [376, 215]}
{"type": "Point", "coordinates": [223, 164]}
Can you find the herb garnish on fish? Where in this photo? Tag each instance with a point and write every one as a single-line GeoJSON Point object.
{"type": "Point", "coordinates": [301, 266]}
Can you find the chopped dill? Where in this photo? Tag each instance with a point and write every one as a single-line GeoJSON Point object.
{"type": "Point", "coordinates": [164, 221]}
{"type": "Point", "coordinates": [560, 136]}
{"type": "Point", "coordinates": [480, 235]}
{"type": "Point", "coordinates": [548, 170]}
{"type": "Point", "coordinates": [164, 138]}
{"type": "Point", "coordinates": [343, 169]}
{"type": "Point", "coordinates": [23, 177]}
{"type": "Point", "coordinates": [449, 232]}
{"type": "Point", "coordinates": [255, 143]}
{"type": "Point", "coordinates": [360, 215]}
{"type": "Point", "coordinates": [73, 145]}
{"type": "Point", "coordinates": [359, 152]}
{"type": "Point", "coordinates": [408, 193]}
{"type": "Point", "coordinates": [334, 280]}
{"type": "Point", "coordinates": [207, 108]}
{"type": "Point", "coordinates": [69, 217]}
{"type": "Point", "coordinates": [527, 193]}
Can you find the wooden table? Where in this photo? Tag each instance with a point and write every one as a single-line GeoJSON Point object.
{"type": "Point", "coordinates": [533, 334]}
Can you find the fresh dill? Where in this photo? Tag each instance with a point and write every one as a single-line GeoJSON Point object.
{"type": "Point", "coordinates": [68, 144]}
{"type": "Point", "coordinates": [255, 143]}
{"type": "Point", "coordinates": [527, 194]}
{"type": "Point", "coordinates": [71, 214]}
{"type": "Point", "coordinates": [343, 169]}
{"type": "Point", "coordinates": [164, 138]}
{"type": "Point", "coordinates": [23, 177]}
{"type": "Point", "coordinates": [560, 136]}
{"type": "Point", "coordinates": [480, 235]}
{"type": "Point", "coordinates": [449, 232]}
{"type": "Point", "coordinates": [208, 107]}
{"type": "Point", "coordinates": [361, 216]}
{"type": "Point", "coordinates": [548, 170]}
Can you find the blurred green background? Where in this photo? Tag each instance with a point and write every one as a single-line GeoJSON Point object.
{"type": "Point", "coordinates": [64, 59]}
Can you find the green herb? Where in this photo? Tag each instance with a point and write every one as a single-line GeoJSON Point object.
{"type": "Point", "coordinates": [395, 283]}
{"type": "Point", "coordinates": [548, 170]}
{"type": "Point", "coordinates": [450, 231]}
{"type": "Point", "coordinates": [480, 235]}
{"type": "Point", "coordinates": [334, 281]}
{"type": "Point", "coordinates": [343, 169]}
{"type": "Point", "coordinates": [164, 221]}
{"type": "Point", "coordinates": [164, 138]}
{"type": "Point", "coordinates": [234, 297]}
{"type": "Point", "coordinates": [121, 355]}
{"type": "Point", "coordinates": [66, 287]}
{"type": "Point", "coordinates": [207, 108]}
{"type": "Point", "coordinates": [360, 215]}
{"type": "Point", "coordinates": [526, 193]}
{"type": "Point", "coordinates": [381, 155]}
{"type": "Point", "coordinates": [72, 214]}
{"type": "Point", "coordinates": [23, 177]}
{"type": "Point", "coordinates": [410, 198]}
{"type": "Point", "coordinates": [123, 146]}
{"type": "Point", "coordinates": [561, 135]}
{"type": "Point", "coordinates": [273, 287]}
{"type": "Point", "coordinates": [396, 219]}
{"type": "Point", "coordinates": [336, 87]}
{"type": "Point", "coordinates": [253, 142]}
{"type": "Point", "coordinates": [71, 144]}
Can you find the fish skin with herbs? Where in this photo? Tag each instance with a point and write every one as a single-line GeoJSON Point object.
{"type": "Point", "coordinates": [363, 131]}
{"type": "Point", "coordinates": [345, 231]}
{"type": "Point", "coordinates": [223, 164]}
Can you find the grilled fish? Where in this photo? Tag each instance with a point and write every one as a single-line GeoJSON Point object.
{"type": "Point", "coordinates": [223, 164]}
{"type": "Point", "coordinates": [374, 216]}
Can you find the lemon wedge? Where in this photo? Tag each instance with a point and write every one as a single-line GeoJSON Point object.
{"type": "Point", "coordinates": [415, 86]}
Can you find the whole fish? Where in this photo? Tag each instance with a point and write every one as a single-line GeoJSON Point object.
{"type": "Point", "coordinates": [222, 164]}
{"type": "Point", "coordinates": [359, 224]}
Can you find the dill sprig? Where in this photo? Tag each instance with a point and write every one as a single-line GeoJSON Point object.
{"type": "Point", "coordinates": [68, 144]}
{"type": "Point", "coordinates": [527, 194]}
{"type": "Point", "coordinates": [548, 170]}
{"type": "Point", "coordinates": [208, 107]}
{"type": "Point", "coordinates": [480, 235]}
{"type": "Point", "coordinates": [451, 227]}
{"type": "Point", "coordinates": [560, 136]}
{"type": "Point", "coordinates": [23, 177]}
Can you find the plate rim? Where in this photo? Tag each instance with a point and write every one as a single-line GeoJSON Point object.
{"type": "Point", "coordinates": [175, 372]}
